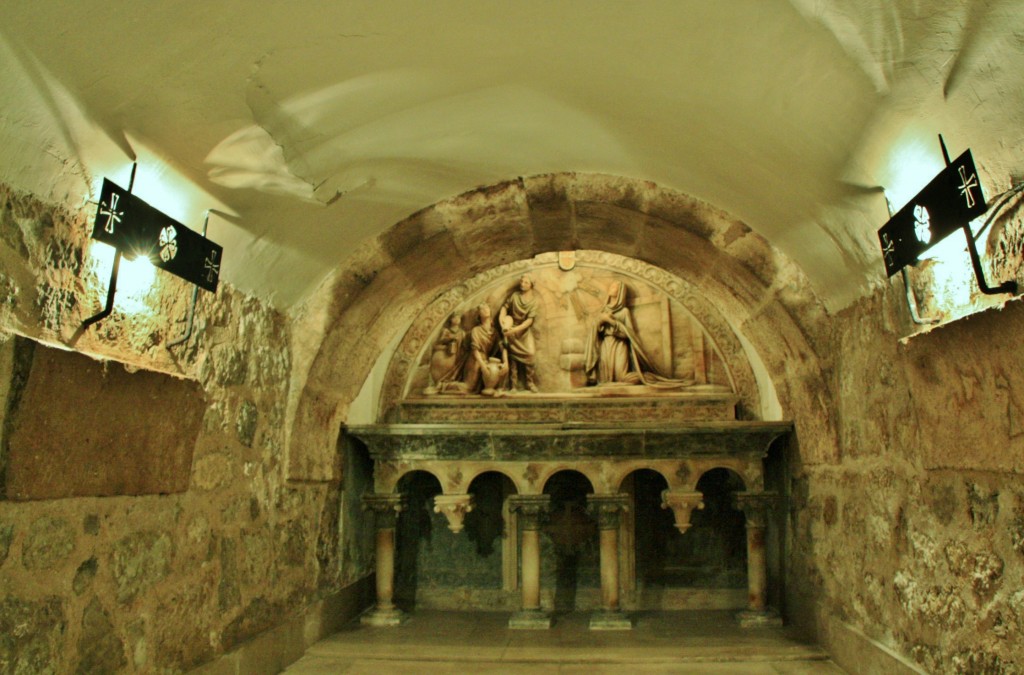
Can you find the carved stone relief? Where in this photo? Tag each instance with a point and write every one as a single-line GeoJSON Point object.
{"type": "Point", "coordinates": [604, 326]}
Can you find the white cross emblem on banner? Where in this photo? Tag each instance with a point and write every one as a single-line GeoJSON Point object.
{"type": "Point", "coordinates": [111, 212]}
{"type": "Point", "coordinates": [212, 266]}
{"type": "Point", "coordinates": [967, 185]}
{"type": "Point", "coordinates": [890, 248]}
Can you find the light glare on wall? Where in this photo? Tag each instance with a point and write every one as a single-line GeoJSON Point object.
{"type": "Point", "coordinates": [136, 278]}
{"type": "Point", "coordinates": [912, 164]}
{"type": "Point", "coordinates": [138, 275]}
{"type": "Point", "coordinates": [953, 281]}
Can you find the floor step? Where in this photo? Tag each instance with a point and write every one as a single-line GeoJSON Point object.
{"type": "Point", "coordinates": [432, 641]}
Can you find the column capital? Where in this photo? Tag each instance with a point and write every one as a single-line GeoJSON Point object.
{"type": "Point", "coordinates": [454, 507]}
{"type": "Point", "coordinates": [755, 506]}
{"type": "Point", "coordinates": [683, 503]}
{"type": "Point", "coordinates": [530, 509]}
{"type": "Point", "coordinates": [607, 508]}
{"type": "Point", "coordinates": [385, 507]}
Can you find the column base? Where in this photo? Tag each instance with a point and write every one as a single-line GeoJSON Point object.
{"type": "Point", "coordinates": [754, 619]}
{"type": "Point", "coordinates": [383, 618]}
{"type": "Point", "coordinates": [530, 619]}
{"type": "Point", "coordinates": [605, 620]}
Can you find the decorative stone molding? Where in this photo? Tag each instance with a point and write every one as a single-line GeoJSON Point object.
{"type": "Point", "coordinates": [682, 505]}
{"type": "Point", "coordinates": [753, 618]}
{"type": "Point", "coordinates": [693, 407]}
{"type": "Point", "coordinates": [755, 506]}
{"type": "Point", "coordinates": [605, 454]}
{"type": "Point", "coordinates": [400, 443]}
{"type": "Point", "coordinates": [454, 508]}
{"type": "Point", "coordinates": [531, 509]}
{"type": "Point", "coordinates": [385, 508]}
{"type": "Point", "coordinates": [608, 509]}
{"type": "Point", "coordinates": [610, 620]}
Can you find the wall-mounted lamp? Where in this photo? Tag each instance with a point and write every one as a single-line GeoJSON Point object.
{"type": "Point", "coordinates": [949, 202]}
{"type": "Point", "coordinates": [136, 278]}
{"type": "Point", "coordinates": [912, 304]}
{"type": "Point", "coordinates": [137, 230]}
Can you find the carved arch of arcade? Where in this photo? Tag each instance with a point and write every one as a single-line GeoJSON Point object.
{"type": "Point", "coordinates": [604, 474]}
{"type": "Point", "coordinates": [686, 474]}
{"type": "Point", "coordinates": [681, 330]}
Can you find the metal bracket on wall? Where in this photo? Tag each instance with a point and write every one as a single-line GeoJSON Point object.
{"type": "Point", "coordinates": [972, 249]}
{"type": "Point", "coordinates": [112, 284]}
{"type": "Point", "coordinates": [192, 305]}
{"type": "Point", "coordinates": [915, 313]}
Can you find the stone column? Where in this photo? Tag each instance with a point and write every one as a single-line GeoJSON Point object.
{"type": "Point", "coordinates": [608, 509]}
{"type": "Point", "coordinates": [385, 508]}
{"type": "Point", "coordinates": [755, 506]}
{"type": "Point", "coordinates": [530, 510]}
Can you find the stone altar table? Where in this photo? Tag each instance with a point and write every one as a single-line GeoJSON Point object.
{"type": "Point", "coordinates": [528, 454]}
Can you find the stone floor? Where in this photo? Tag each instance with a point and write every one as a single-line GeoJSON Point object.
{"type": "Point", "coordinates": [435, 642]}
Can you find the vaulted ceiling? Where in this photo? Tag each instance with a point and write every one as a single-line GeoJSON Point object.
{"type": "Point", "coordinates": [311, 126]}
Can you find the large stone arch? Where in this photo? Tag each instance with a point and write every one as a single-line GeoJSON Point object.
{"type": "Point", "coordinates": [374, 296]}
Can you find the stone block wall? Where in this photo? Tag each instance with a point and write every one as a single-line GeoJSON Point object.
{"type": "Point", "coordinates": [906, 515]}
{"type": "Point", "coordinates": [158, 582]}
{"type": "Point", "coordinates": [914, 539]}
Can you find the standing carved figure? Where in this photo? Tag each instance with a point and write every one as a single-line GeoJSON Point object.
{"type": "Point", "coordinates": [516, 318]}
{"type": "Point", "coordinates": [614, 354]}
{"type": "Point", "coordinates": [482, 340]}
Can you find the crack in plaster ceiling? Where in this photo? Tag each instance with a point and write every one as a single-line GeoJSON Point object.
{"type": "Point", "coordinates": [870, 32]}
{"type": "Point", "coordinates": [770, 110]}
{"type": "Point", "coordinates": [51, 112]}
{"type": "Point", "coordinates": [322, 144]}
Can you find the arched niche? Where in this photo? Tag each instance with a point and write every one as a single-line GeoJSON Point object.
{"type": "Point", "coordinates": [681, 332]}
{"type": "Point", "coordinates": [349, 322]}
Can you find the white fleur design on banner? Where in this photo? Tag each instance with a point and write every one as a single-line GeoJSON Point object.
{"type": "Point", "coordinates": [168, 243]}
{"type": "Point", "coordinates": [922, 224]}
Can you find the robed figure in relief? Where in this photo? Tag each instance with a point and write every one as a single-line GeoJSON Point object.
{"type": "Point", "coordinates": [482, 341]}
{"type": "Point", "coordinates": [466, 363]}
{"type": "Point", "coordinates": [447, 357]}
{"type": "Point", "coordinates": [614, 353]}
{"type": "Point", "coordinates": [516, 318]}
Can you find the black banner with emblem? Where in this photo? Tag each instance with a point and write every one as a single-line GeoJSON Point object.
{"type": "Point", "coordinates": [136, 228]}
{"type": "Point", "coordinates": [950, 201]}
